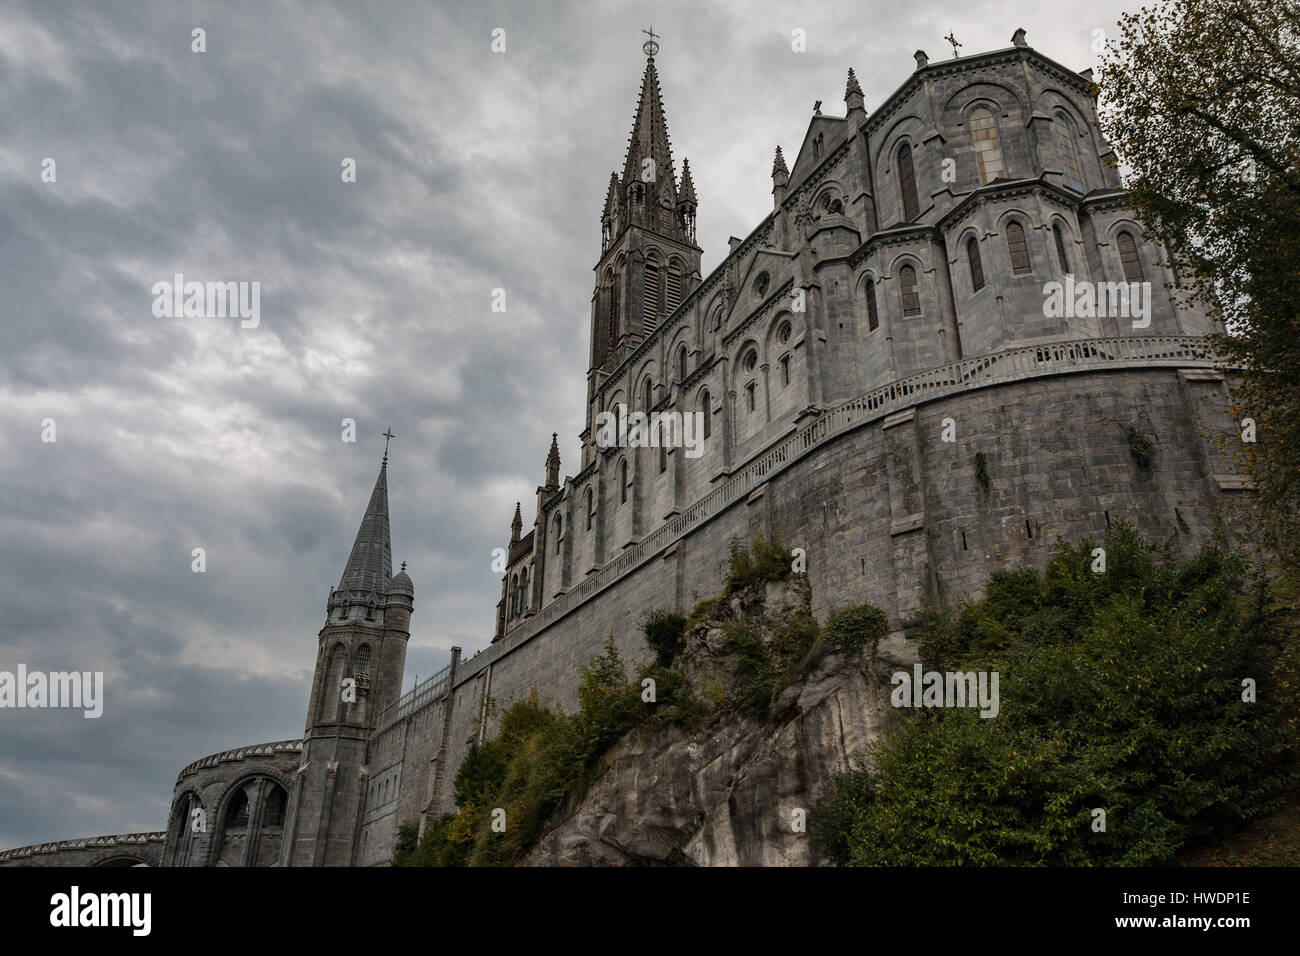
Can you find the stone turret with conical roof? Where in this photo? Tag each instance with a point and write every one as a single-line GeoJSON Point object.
{"type": "Point", "coordinates": [360, 659]}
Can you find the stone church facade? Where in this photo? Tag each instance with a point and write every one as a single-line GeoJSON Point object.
{"type": "Point", "coordinates": [878, 382]}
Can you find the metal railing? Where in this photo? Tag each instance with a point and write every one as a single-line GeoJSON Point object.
{"type": "Point", "coordinates": [425, 692]}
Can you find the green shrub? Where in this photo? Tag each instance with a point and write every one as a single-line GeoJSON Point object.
{"type": "Point", "coordinates": [1140, 448]}
{"type": "Point", "coordinates": [856, 627]}
{"type": "Point", "coordinates": [763, 560]}
{"type": "Point", "coordinates": [1119, 691]}
{"type": "Point", "coordinates": [663, 632]}
{"type": "Point", "coordinates": [763, 669]}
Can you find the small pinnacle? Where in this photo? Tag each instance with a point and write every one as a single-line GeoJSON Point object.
{"type": "Point", "coordinates": [852, 86]}
{"type": "Point", "coordinates": [403, 567]}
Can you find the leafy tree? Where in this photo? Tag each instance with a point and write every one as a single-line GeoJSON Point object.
{"type": "Point", "coordinates": [1119, 691]}
{"type": "Point", "coordinates": [1201, 100]}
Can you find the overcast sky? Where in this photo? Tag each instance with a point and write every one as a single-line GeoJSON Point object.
{"type": "Point", "coordinates": [475, 171]}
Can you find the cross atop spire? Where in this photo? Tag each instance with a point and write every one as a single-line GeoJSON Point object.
{"type": "Point", "coordinates": [953, 40]}
{"type": "Point", "coordinates": [388, 436]}
{"type": "Point", "coordinates": [650, 47]}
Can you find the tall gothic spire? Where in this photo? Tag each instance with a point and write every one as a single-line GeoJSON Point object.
{"type": "Point", "coordinates": [370, 565]}
{"type": "Point", "coordinates": [649, 139]}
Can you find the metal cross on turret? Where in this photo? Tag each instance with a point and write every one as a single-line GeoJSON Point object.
{"type": "Point", "coordinates": [953, 40]}
{"type": "Point", "coordinates": [388, 436]}
{"type": "Point", "coordinates": [650, 47]}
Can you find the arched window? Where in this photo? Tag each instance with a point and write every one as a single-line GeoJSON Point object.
{"type": "Point", "coordinates": [1069, 147]}
{"type": "Point", "coordinates": [361, 671]}
{"type": "Point", "coordinates": [513, 606]}
{"type": "Point", "coordinates": [911, 296]}
{"type": "Point", "coordinates": [663, 453]}
{"type": "Point", "coordinates": [611, 309]}
{"type": "Point", "coordinates": [783, 333]}
{"type": "Point", "coordinates": [331, 689]}
{"type": "Point", "coordinates": [988, 151]}
{"type": "Point", "coordinates": [708, 412]}
{"type": "Point", "coordinates": [591, 508]}
{"type": "Point", "coordinates": [650, 314]}
{"type": "Point", "coordinates": [559, 530]}
{"type": "Point", "coordinates": [622, 482]}
{"type": "Point", "coordinates": [647, 395]}
{"type": "Point", "coordinates": [523, 591]}
{"type": "Point", "coordinates": [873, 317]}
{"type": "Point", "coordinates": [1016, 246]}
{"type": "Point", "coordinates": [681, 363]}
{"type": "Point", "coordinates": [1061, 257]}
{"type": "Point", "coordinates": [275, 803]}
{"type": "Point", "coordinates": [1128, 254]}
{"type": "Point", "coordinates": [785, 370]}
{"type": "Point", "coordinates": [907, 183]}
{"type": "Point", "coordinates": [750, 391]}
{"type": "Point", "coordinates": [976, 266]}
{"type": "Point", "coordinates": [236, 817]}
{"type": "Point", "coordinates": [673, 287]}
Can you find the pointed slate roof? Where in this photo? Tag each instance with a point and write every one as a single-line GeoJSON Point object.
{"type": "Point", "coordinates": [687, 191]}
{"type": "Point", "coordinates": [611, 196]}
{"type": "Point", "coordinates": [370, 565]}
{"type": "Point", "coordinates": [649, 137]}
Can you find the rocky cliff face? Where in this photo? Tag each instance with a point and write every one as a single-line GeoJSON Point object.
{"type": "Point", "coordinates": [728, 794]}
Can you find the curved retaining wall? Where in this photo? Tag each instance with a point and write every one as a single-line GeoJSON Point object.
{"type": "Point", "coordinates": [885, 508]}
{"type": "Point", "coordinates": [123, 849]}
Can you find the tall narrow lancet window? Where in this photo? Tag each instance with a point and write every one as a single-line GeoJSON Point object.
{"type": "Point", "coordinates": [591, 508]}
{"type": "Point", "coordinates": [681, 364]}
{"type": "Point", "coordinates": [907, 183]}
{"type": "Point", "coordinates": [911, 295]}
{"type": "Point", "coordinates": [708, 413]}
{"type": "Point", "coordinates": [673, 287]}
{"type": "Point", "coordinates": [750, 390]}
{"type": "Point", "coordinates": [1017, 248]}
{"type": "Point", "coordinates": [622, 482]}
{"type": "Point", "coordinates": [611, 310]}
{"type": "Point", "coordinates": [873, 316]}
{"type": "Point", "coordinates": [647, 393]}
{"type": "Point", "coordinates": [331, 688]}
{"type": "Point", "coordinates": [1068, 145]}
{"type": "Point", "coordinates": [976, 265]}
{"type": "Point", "coordinates": [650, 314]}
{"type": "Point", "coordinates": [1128, 255]}
{"type": "Point", "coordinates": [559, 529]}
{"type": "Point", "coordinates": [988, 151]}
{"type": "Point", "coordinates": [1061, 257]}
{"type": "Point", "coordinates": [361, 671]}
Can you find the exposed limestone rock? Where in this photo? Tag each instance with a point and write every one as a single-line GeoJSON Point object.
{"type": "Point", "coordinates": [726, 795]}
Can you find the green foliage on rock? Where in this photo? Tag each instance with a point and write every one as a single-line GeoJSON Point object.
{"type": "Point", "coordinates": [1120, 691]}
{"type": "Point", "coordinates": [766, 663]}
{"type": "Point", "coordinates": [855, 628]}
{"type": "Point", "coordinates": [763, 560]}
{"type": "Point", "coordinates": [539, 760]}
{"type": "Point", "coordinates": [663, 632]}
